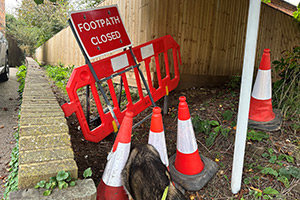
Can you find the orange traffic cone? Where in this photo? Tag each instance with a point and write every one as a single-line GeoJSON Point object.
{"type": "Point", "coordinates": [110, 187]}
{"type": "Point", "coordinates": [261, 110]}
{"type": "Point", "coordinates": [157, 135]}
{"type": "Point", "coordinates": [188, 169]}
{"type": "Point", "coordinates": [188, 159]}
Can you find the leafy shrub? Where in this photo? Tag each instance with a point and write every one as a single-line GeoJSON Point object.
{"type": "Point", "coordinates": [286, 91]}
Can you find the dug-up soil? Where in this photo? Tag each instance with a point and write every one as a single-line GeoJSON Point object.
{"type": "Point", "coordinates": [208, 104]}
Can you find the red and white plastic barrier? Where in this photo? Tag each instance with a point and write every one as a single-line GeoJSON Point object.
{"type": "Point", "coordinates": [107, 67]}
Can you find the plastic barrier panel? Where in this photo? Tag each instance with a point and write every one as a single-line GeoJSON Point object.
{"type": "Point", "coordinates": [117, 65]}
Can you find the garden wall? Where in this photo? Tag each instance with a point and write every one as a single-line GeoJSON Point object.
{"type": "Point", "coordinates": [44, 140]}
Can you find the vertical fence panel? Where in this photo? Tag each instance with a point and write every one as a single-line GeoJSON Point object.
{"type": "Point", "coordinates": [211, 33]}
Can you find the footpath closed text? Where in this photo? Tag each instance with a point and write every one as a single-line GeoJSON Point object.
{"type": "Point", "coordinates": [99, 24]}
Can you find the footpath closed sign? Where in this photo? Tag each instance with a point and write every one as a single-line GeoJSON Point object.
{"type": "Point", "coordinates": [100, 30]}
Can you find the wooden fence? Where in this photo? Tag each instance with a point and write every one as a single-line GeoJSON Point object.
{"type": "Point", "coordinates": [15, 54]}
{"type": "Point", "coordinates": [211, 35]}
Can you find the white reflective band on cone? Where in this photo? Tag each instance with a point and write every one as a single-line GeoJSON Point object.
{"type": "Point", "coordinates": [262, 89]}
{"type": "Point", "coordinates": [186, 141]}
{"type": "Point", "coordinates": [115, 165]}
{"type": "Point", "coordinates": [159, 142]}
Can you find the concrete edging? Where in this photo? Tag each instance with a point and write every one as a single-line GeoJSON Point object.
{"type": "Point", "coordinates": [84, 190]}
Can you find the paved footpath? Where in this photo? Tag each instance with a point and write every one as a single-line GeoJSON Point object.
{"type": "Point", "coordinates": [9, 109]}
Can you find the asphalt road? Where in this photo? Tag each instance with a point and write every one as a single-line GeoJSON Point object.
{"type": "Point", "coordinates": [9, 109]}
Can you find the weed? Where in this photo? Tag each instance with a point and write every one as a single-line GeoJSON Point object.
{"type": "Point", "coordinates": [210, 127]}
{"type": "Point", "coordinates": [235, 82]}
{"type": "Point", "coordinates": [59, 74]}
{"type": "Point", "coordinates": [257, 135]}
{"type": "Point", "coordinates": [256, 194]}
{"type": "Point", "coordinates": [269, 170]}
{"type": "Point", "coordinates": [61, 180]}
{"type": "Point", "coordinates": [289, 172]}
{"type": "Point", "coordinates": [227, 115]}
{"type": "Point", "coordinates": [269, 192]}
{"type": "Point", "coordinates": [273, 158]}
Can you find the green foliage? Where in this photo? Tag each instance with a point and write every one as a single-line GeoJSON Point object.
{"type": "Point", "coordinates": [84, 4]}
{"type": "Point", "coordinates": [62, 180]}
{"type": "Point", "coordinates": [271, 191]}
{"type": "Point", "coordinates": [21, 74]}
{"type": "Point", "coordinates": [269, 170]}
{"type": "Point", "coordinates": [284, 180]}
{"type": "Point", "coordinates": [266, 1]}
{"type": "Point", "coordinates": [255, 194]}
{"type": "Point", "coordinates": [87, 173]}
{"type": "Point", "coordinates": [288, 158]}
{"type": "Point", "coordinates": [235, 82]}
{"type": "Point", "coordinates": [42, 1]}
{"type": "Point", "coordinates": [227, 115]}
{"type": "Point", "coordinates": [257, 135]}
{"type": "Point", "coordinates": [296, 14]}
{"type": "Point", "coordinates": [32, 24]}
{"type": "Point", "coordinates": [273, 158]}
{"type": "Point", "coordinates": [286, 91]}
{"type": "Point", "coordinates": [289, 172]}
{"type": "Point", "coordinates": [210, 127]}
{"type": "Point", "coordinates": [59, 74]}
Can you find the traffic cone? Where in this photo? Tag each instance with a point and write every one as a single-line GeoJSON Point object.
{"type": "Point", "coordinates": [261, 113]}
{"type": "Point", "coordinates": [110, 187]}
{"type": "Point", "coordinates": [188, 169]}
{"type": "Point", "coordinates": [188, 159]}
{"type": "Point", "coordinates": [157, 135]}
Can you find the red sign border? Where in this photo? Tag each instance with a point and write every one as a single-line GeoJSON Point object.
{"type": "Point", "coordinates": [81, 43]}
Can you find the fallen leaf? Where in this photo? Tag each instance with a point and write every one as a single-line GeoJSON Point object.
{"type": "Point", "coordinates": [1, 126]}
{"type": "Point", "coordinates": [258, 190]}
{"type": "Point", "coordinates": [192, 196]}
{"type": "Point", "coordinates": [2, 177]}
{"type": "Point", "coordinates": [290, 153]}
{"type": "Point", "coordinates": [234, 128]}
{"type": "Point", "coordinates": [217, 160]}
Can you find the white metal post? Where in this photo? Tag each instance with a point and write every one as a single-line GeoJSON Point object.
{"type": "Point", "coordinates": [245, 93]}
